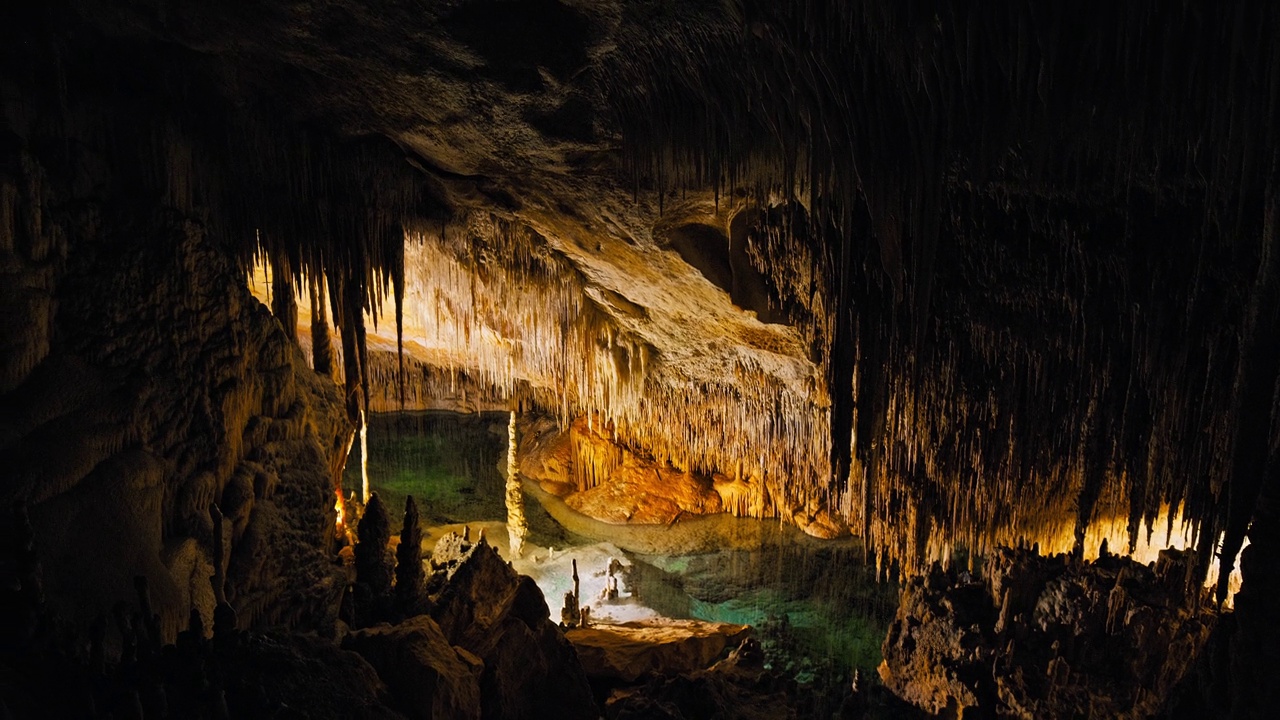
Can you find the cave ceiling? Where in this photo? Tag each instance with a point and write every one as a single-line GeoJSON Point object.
{"type": "Point", "coordinates": [967, 274]}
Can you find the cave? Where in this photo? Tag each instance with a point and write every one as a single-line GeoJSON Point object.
{"type": "Point", "coordinates": [639, 359]}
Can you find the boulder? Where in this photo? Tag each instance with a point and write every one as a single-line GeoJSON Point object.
{"type": "Point", "coordinates": [428, 677]}
{"type": "Point", "coordinates": [1047, 637]}
{"type": "Point", "coordinates": [631, 650]}
{"type": "Point", "coordinates": [484, 607]}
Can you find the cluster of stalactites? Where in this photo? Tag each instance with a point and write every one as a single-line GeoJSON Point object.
{"type": "Point", "coordinates": [495, 300]}
{"type": "Point", "coordinates": [493, 315]}
{"type": "Point", "coordinates": [1078, 373]}
{"type": "Point", "coordinates": [592, 461]}
{"type": "Point", "coordinates": [323, 211]}
{"type": "Point", "coordinates": [327, 215]}
{"type": "Point", "coordinates": [933, 146]}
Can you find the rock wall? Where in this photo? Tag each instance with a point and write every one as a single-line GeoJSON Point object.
{"type": "Point", "coordinates": [140, 383]}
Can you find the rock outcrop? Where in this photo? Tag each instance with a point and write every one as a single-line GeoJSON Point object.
{"type": "Point", "coordinates": [276, 675]}
{"type": "Point", "coordinates": [628, 651]}
{"type": "Point", "coordinates": [488, 610]}
{"type": "Point", "coordinates": [428, 677]}
{"type": "Point", "coordinates": [737, 687]}
{"type": "Point", "coordinates": [123, 668]}
{"type": "Point", "coordinates": [149, 385]}
{"type": "Point", "coordinates": [1048, 637]}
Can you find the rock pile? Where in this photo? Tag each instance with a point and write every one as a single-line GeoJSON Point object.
{"type": "Point", "coordinates": [488, 648]}
{"type": "Point", "coordinates": [1045, 637]}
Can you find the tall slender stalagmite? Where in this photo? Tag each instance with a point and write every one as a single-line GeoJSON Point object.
{"type": "Point", "coordinates": [364, 457]}
{"type": "Point", "coordinates": [517, 525]}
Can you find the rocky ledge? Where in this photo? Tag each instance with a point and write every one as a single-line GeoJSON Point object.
{"type": "Point", "coordinates": [631, 650]}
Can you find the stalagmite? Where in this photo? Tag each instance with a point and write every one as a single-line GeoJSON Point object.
{"type": "Point", "coordinates": [373, 568]}
{"type": "Point", "coordinates": [410, 577]}
{"type": "Point", "coordinates": [517, 525]}
{"type": "Point", "coordinates": [573, 613]}
{"type": "Point", "coordinates": [364, 458]}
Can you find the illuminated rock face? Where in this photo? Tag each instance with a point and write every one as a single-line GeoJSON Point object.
{"type": "Point", "coordinates": [600, 478]}
{"type": "Point", "coordinates": [497, 313]}
{"type": "Point", "coordinates": [604, 481]}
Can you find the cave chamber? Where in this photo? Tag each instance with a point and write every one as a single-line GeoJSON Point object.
{"type": "Point", "coordinates": [588, 358]}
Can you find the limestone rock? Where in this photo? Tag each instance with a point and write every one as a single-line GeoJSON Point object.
{"type": "Point", "coordinates": [546, 455]}
{"type": "Point", "coordinates": [736, 687]}
{"type": "Point", "coordinates": [644, 493]}
{"type": "Point", "coordinates": [270, 675]}
{"type": "Point", "coordinates": [159, 387]}
{"type": "Point", "coordinates": [428, 677]}
{"type": "Point", "coordinates": [633, 649]}
{"type": "Point", "coordinates": [1047, 637]}
{"type": "Point", "coordinates": [486, 608]}
{"type": "Point", "coordinates": [603, 480]}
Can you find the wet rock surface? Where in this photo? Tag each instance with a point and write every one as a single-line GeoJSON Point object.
{"type": "Point", "coordinates": [1047, 637]}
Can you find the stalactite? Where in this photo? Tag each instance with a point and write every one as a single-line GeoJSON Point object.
{"type": "Point", "coordinates": [399, 300]}
{"type": "Point", "coordinates": [467, 293]}
{"type": "Point", "coordinates": [321, 346]}
{"type": "Point", "coordinates": [283, 305]}
{"type": "Point", "coordinates": [1256, 385]}
{"type": "Point", "coordinates": [943, 201]}
{"type": "Point", "coordinates": [219, 578]}
{"type": "Point", "coordinates": [593, 461]}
